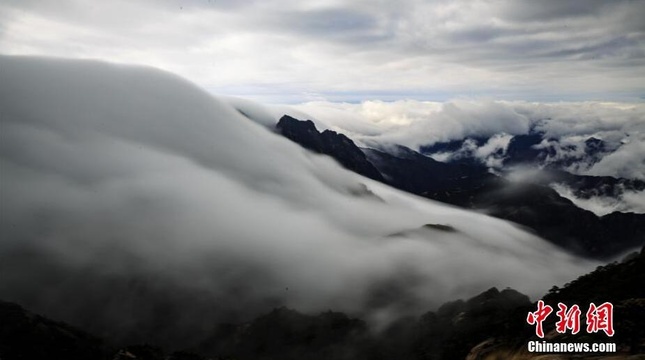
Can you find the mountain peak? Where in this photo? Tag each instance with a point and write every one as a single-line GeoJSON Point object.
{"type": "Point", "coordinates": [329, 142]}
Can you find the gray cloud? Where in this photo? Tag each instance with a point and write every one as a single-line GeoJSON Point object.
{"type": "Point", "coordinates": [511, 49]}
{"type": "Point", "coordinates": [330, 22]}
{"type": "Point", "coordinates": [551, 10]}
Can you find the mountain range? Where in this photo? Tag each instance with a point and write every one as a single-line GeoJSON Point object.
{"type": "Point", "coordinates": [468, 183]}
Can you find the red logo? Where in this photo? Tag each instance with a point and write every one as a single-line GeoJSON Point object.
{"type": "Point", "coordinates": [568, 319]}
{"type": "Point", "coordinates": [598, 318]}
{"type": "Point", "coordinates": [536, 318]}
{"type": "Point", "coordinates": [601, 318]}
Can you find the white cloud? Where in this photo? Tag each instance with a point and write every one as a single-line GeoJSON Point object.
{"type": "Point", "coordinates": [629, 201]}
{"type": "Point", "coordinates": [628, 161]}
{"type": "Point", "coordinates": [415, 123]}
{"type": "Point", "coordinates": [493, 152]}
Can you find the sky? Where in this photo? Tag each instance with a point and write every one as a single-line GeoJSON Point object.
{"type": "Point", "coordinates": [287, 51]}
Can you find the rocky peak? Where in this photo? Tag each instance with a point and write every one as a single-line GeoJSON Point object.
{"type": "Point", "coordinates": [331, 143]}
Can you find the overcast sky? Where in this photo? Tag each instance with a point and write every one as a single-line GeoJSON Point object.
{"type": "Point", "coordinates": [289, 51]}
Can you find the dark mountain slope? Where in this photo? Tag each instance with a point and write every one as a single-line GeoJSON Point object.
{"type": "Point", "coordinates": [24, 335]}
{"type": "Point", "coordinates": [619, 283]}
{"type": "Point", "coordinates": [410, 171]}
{"type": "Point", "coordinates": [521, 149]}
{"type": "Point", "coordinates": [559, 220]}
{"type": "Point", "coordinates": [287, 334]}
{"type": "Point", "coordinates": [338, 146]}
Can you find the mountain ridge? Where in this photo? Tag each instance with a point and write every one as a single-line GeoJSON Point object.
{"type": "Point", "coordinates": [533, 204]}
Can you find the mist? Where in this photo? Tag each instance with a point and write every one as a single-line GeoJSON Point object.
{"type": "Point", "coordinates": [135, 204]}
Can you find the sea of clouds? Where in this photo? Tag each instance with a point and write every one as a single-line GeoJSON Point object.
{"type": "Point", "coordinates": [134, 203]}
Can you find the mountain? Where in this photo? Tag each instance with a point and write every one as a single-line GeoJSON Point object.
{"type": "Point", "coordinates": [339, 146]}
{"type": "Point", "coordinates": [468, 183]}
{"type": "Point", "coordinates": [521, 149]}
{"type": "Point", "coordinates": [408, 170]}
{"type": "Point", "coordinates": [589, 187]}
{"type": "Point", "coordinates": [28, 336]}
{"type": "Point", "coordinates": [24, 335]}
{"type": "Point", "coordinates": [140, 208]}
{"type": "Point", "coordinates": [288, 334]}
{"type": "Point", "coordinates": [533, 149]}
{"type": "Point", "coordinates": [559, 220]}
{"type": "Point", "coordinates": [558, 163]}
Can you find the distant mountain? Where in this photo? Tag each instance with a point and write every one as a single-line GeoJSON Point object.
{"type": "Point", "coordinates": [451, 146]}
{"type": "Point", "coordinates": [533, 149]}
{"type": "Point", "coordinates": [587, 187]}
{"type": "Point", "coordinates": [521, 149]}
{"type": "Point", "coordinates": [549, 161]}
{"type": "Point", "coordinates": [469, 183]}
